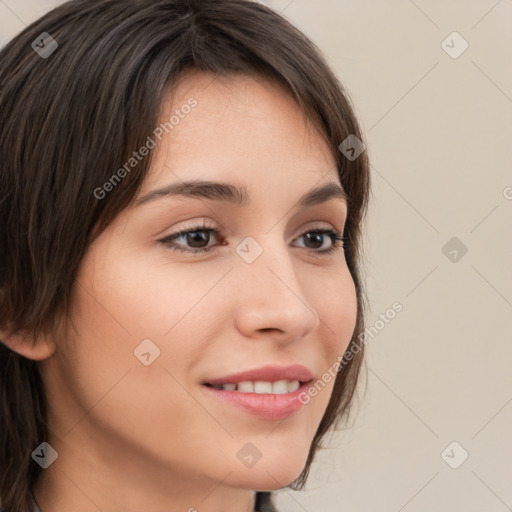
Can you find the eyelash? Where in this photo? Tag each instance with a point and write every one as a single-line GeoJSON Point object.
{"type": "Point", "coordinates": [335, 236]}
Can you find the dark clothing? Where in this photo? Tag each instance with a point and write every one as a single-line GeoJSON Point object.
{"type": "Point", "coordinates": [264, 502]}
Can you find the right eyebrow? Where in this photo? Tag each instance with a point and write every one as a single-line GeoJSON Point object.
{"type": "Point", "coordinates": [217, 191]}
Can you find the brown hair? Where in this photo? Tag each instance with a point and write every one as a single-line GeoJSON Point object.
{"type": "Point", "coordinates": [99, 93]}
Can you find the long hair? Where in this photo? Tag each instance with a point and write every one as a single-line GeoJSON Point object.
{"type": "Point", "coordinates": [93, 86]}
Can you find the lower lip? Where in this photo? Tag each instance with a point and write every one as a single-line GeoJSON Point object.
{"type": "Point", "coordinates": [266, 406]}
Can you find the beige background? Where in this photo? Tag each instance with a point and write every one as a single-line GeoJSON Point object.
{"type": "Point", "coordinates": [439, 132]}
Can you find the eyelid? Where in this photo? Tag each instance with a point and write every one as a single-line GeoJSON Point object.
{"type": "Point", "coordinates": [195, 225]}
{"type": "Point", "coordinates": [314, 225]}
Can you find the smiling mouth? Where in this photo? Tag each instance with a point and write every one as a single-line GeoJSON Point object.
{"type": "Point", "coordinates": [278, 387]}
{"type": "Point", "coordinates": [270, 393]}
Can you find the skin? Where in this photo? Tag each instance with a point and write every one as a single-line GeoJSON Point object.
{"type": "Point", "coordinates": [138, 438]}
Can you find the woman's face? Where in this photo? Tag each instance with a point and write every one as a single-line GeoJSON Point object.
{"type": "Point", "coordinates": [154, 322]}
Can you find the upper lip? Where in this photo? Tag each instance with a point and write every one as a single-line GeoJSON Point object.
{"type": "Point", "coordinates": [267, 374]}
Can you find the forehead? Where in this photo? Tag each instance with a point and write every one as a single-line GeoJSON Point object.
{"type": "Point", "coordinates": [240, 129]}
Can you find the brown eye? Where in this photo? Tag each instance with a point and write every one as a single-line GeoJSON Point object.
{"type": "Point", "coordinates": [198, 238]}
{"type": "Point", "coordinates": [194, 239]}
{"type": "Point", "coordinates": [315, 239]}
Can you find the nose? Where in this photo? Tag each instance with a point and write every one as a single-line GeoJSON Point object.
{"type": "Point", "coordinates": [272, 300]}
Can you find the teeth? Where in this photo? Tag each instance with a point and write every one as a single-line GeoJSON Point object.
{"type": "Point", "coordinates": [279, 387]}
{"type": "Point", "coordinates": [262, 387]}
{"type": "Point", "coordinates": [246, 387]}
{"type": "Point", "coordinates": [293, 385]}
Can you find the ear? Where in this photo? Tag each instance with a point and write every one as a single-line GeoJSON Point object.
{"type": "Point", "coordinates": [26, 345]}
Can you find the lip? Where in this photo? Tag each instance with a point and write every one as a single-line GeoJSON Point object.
{"type": "Point", "coordinates": [266, 373]}
{"type": "Point", "coordinates": [266, 406]}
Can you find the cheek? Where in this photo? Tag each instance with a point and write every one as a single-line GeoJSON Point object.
{"type": "Point", "coordinates": [128, 304]}
{"type": "Point", "coordinates": [335, 300]}
{"type": "Point", "coordinates": [337, 308]}
{"type": "Point", "coordinates": [113, 312]}
{"type": "Point", "coordinates": [141, 297]}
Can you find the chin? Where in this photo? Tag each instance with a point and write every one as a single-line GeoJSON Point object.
{"type": "Point", "coordinates": [263, 481]}
{"type": "Point", "coordinates": [272, 472]}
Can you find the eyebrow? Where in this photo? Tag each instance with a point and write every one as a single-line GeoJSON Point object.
{"type": "Point", "coordinates": [238, 196]}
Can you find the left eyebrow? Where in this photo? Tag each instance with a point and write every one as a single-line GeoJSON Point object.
{"type": "Point", "coordinates": [221, 191]}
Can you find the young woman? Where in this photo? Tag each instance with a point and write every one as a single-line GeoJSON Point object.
{"type": "Point", "coordinates": [182, 191]}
